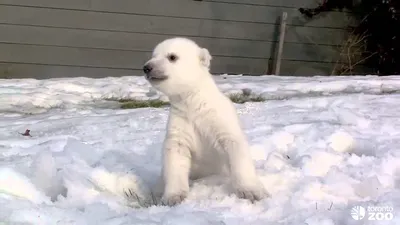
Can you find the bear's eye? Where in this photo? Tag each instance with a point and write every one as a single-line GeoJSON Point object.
{"type": "Point", "coordinates": [172, 57]}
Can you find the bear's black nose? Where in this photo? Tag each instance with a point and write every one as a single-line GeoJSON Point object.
{"type": "Point", "coordinates": [147, 68]}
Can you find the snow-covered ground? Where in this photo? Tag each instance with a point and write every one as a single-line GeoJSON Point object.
{"type": "Point", "coordinates": [322, 145]}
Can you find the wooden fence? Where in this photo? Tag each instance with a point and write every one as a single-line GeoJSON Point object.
{"type": "Point", "coordinates": [98, 38]}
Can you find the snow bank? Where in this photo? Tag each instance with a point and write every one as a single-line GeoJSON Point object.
{"type": "Point", "coordinates": [37, 96]}
{"type": "Point", "coordinates": [319, 155]}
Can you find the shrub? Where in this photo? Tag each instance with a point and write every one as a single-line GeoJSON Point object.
{"type": "Point", "coordinates": [378, 22]}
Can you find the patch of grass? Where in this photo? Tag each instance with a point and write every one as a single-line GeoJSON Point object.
{"type": "Point", "coordinates": [134, 103]}
{"type": "Point", "coordinates": [129, 103]}
{"type": "Point", "coordinates": [240, 98]}
{"type": "Point", "coordinates": [245, 96]}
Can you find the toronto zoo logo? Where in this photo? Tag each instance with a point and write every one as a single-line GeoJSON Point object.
{"type": "Point", "coordinates": [372, 213]}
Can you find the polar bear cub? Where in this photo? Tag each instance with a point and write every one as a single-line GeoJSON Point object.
{"type": "Point", "coordinates": [204, 135]}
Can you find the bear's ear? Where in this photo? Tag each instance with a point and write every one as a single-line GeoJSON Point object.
{"type": "Point", "coordinates": [205, 57]}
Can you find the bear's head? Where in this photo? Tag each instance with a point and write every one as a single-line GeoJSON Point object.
{"type": "Point", "coordinates": [177, 65]}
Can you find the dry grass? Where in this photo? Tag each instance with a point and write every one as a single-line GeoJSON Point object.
{"type": "Point", "coordinates": [352, 54]}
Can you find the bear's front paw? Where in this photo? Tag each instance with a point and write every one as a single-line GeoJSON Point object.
{"type": "Point", "coordinates": [253, 194]}
{"type": "Point", "coordinates": [173, 198]}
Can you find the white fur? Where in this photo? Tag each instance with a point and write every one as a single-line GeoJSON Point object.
{"type": "Point", "coordinates": [204, 134]}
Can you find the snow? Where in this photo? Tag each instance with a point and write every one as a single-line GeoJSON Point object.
{"type": "Point", "coordinates": [322, 145]}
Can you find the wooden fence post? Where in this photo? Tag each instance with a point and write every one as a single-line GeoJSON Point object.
{"type": "Point", "coordinates": [281, 41]}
